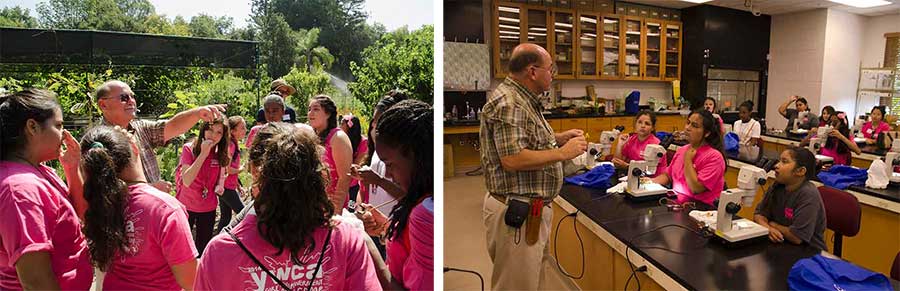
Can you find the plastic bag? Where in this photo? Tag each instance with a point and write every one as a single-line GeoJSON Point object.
{"type": "Point", "coordinates": [597, 178]}
{"type": "Point", "coordinates": [821, 273]}
{"type": "Point", "coordinates": [877, 175]}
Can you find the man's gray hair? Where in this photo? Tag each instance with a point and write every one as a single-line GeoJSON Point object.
{"type": "Point", "coordinates": [107, 86]}
{"type": "Point", "coordinates": [274, 99]}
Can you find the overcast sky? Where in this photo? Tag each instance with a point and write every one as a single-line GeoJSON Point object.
{"type": "Point", "coordinates": [415, 13]}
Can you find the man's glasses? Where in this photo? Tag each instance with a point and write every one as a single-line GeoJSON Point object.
{"type": "Point", "coordinates": [552, 70]}
{"type": "Point", "coordinates": [124, 97]}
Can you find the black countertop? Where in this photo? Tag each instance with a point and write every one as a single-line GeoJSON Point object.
{"type": "Point", "coordinates": [753, 155]}
{"type": "Point", "coordinates": [696, 262]}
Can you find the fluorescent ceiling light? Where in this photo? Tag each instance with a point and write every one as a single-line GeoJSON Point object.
{"type": "Point", "coordinates": [862, 3]}
{"type": "Point", "coordinates": [696, 1]}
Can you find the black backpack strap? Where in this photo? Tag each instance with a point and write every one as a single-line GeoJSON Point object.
{"type": "Point", "coordinates": [258, 263]}
{"type": "Point", "coordinates": [321, 256]}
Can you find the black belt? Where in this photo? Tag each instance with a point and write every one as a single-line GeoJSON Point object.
{"type": "Point", "coordinates": [503, 198]}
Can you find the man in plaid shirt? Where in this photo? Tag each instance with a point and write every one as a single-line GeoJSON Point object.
{"type": "Point", "coordinates": [522, 158]}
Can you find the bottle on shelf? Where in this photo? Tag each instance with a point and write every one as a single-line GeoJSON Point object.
{"type": "Point", "coordinates": [454, 113]}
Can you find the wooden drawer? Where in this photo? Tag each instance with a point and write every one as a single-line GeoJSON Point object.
{"type": "Point", "coordinates": [572, 123]}
{"type": "Point", "coordinates": [555, 124]}
{"type": "Point", "coordinates": [595, 126]}
{"type": "Point", "coordinates": [669, 123]}
{"type": "Point", "coordinates": [626, 121]}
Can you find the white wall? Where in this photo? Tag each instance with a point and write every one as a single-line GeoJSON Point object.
{"type": "Point", "coordinates": [796, 54]}
{"type": "Point", "coordinates": [873, 38]}
{"type": "Point", "coordinates": [844, 33]}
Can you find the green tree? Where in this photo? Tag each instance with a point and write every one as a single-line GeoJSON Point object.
{"type": "Point", "coordinates": [309, 53]}
{"type": "Point", "coordinates": [16, 17]}
{"type": "Point", "coordinates": [344, 31]}
{"type": "Point", "coordinates": [308, 84]}
{"type": "Point", "coordinates": [111, 15]}
{"type": "Point", "coordinates": [277, 44]}
{"type": "Point", "coordinates": [210, 26]}
{"type": "Point", "coordinates": [159, 24]}
{"type": "Point", "coordinates": [399, 60]}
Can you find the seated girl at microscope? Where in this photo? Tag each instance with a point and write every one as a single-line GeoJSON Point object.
{"type": "Point", "coordinates": [792, 209]}
{"type": "Point", "coordinates": [876, 126]}
{"type": "Point", "coordinates": [697, 171]}
{"type": "Point", "coordinates": [825, 119]}
{"type": "Point", "coordinates": [838, 146]}
{"type": "Point", "coordinates": [633, 144]}
{"type": "Point", "coordinates": [747, 128]}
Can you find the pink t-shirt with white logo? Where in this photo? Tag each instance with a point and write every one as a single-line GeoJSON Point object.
{"type": "Point", "coordinates": [710, 167]}
{"type": "Point", "coordinates": [192, 196]}
{"type": "Point", "coordinates": [36, 216]}
{"type": "Point", "coordinates": [158, 238]}
{"type": "Point", "coordinates": [347, 264]}
{"type": "Point", "coordinates": [633, 150]}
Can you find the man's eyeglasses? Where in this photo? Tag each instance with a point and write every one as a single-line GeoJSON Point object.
{"type": "Point", "coordinates": [124, 97]}
{"type": "Point", "coordinates": [552, 69]}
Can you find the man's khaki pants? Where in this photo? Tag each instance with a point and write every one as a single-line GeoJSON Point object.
{"type": "Point", "coordinates": [517, 266]}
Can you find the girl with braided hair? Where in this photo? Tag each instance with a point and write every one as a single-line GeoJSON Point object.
{"type": "Point", "coordinates": [136, 233]}
{"type": "Point", "coordinates": [41, 244]}
{"type": "Point", "coordinates": [410, 230]}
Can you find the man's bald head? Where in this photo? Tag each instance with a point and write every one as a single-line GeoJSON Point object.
{"type": "Point", "coordinates": [525, 55]}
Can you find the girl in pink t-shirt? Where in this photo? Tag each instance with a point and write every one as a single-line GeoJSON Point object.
{"type": "Point", "coordinates": [287, 240]}
{"type": "Point", "coordinates": [410, 229]}
{"type": "Point", "coordinates": [41, 244]}
{"type": "Point", "coordinates": [634, 144]}
{"type": "Point", "coordinates": [710, 105]}
{"type": "Point", "coordinates": [138, 235]}
{"type": "Point", "coordinates": [202, 178]}
{"type": "Point", "coordinates": [876, 126]}
{"type": "Point", "coordinates": [231, 199]}
{"type": "Point", "coordinates": [322, 115]}
{"type": "Point", "coordinates": [697, 172]}
{"type": "Point", "coordinates": [838, 146]}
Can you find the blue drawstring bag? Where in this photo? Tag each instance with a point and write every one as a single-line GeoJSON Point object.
{"type": "Point", "coordinates": [662, 135]}
{"type": "Point", "coordinates": [632, 101]}
{"type": "Point", "coordinates": [732, 142]}
{"type": "Point", "coordinates": [597, 178]}
{"type": "Point", "coordinates": [821, 273]}
{"type": "Point", "coordinates": [841, 177]}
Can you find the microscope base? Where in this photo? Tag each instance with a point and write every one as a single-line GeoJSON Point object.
{"type": "Point", "coordinates": [743, 229]}
{"type": "Point", "coordinates": [646, 192]}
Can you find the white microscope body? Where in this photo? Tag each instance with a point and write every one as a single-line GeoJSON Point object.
{"type": "Point", "coordinates": [891, 159]}
{"type": "Point", "coordinates": [730, 202]}
{"type": "Point", "coordinates": [637, 169]}
{"type": "Point", "coordinates": [800, 117]}
{"type": "Point", "coordinates": [606, 140]}
{"type": "Point", "coordinates": [817, 142]}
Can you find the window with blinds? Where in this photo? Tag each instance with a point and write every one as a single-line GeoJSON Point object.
{"type": "Point", "coordinates": [892, 60]}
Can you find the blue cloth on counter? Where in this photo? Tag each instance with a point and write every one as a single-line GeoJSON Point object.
{"type": "Point", "coordinates": [732, 142]}
{"type": "Point", "coordinates": [841, 177]}
{"type": "Point", "coordinates": [597, 178]}
{"type": "Point", "coordinates": [821, 273]}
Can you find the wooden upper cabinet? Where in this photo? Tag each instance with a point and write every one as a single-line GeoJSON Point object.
{"type": "Point", "coordinates": [613, 51]}
{"type": "Point", "coordinates": [651, 65]}
{"type": "Point", "coordinates": [587, 45]}
{"type": "Point", "coordinates": [587, 57]}
{"type": "Point", "coordinates": [633, 41]}
{"type": "Point", "coordinates": [672, 61]}
{"type": "Point", "coordinates": [563, 42]}
{"type": "Point", "coordinates": [507, 34]}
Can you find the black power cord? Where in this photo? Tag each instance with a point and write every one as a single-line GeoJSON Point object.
{"type": "Point", "coordinates": [480, 278]}
{"type": "Point", "coordinates": [580, 242]}
{"type": "Point", "coordinates": [644, 268]}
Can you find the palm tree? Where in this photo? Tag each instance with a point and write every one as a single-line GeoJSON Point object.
{"type": "Point", "coordinates": [309, 53]}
